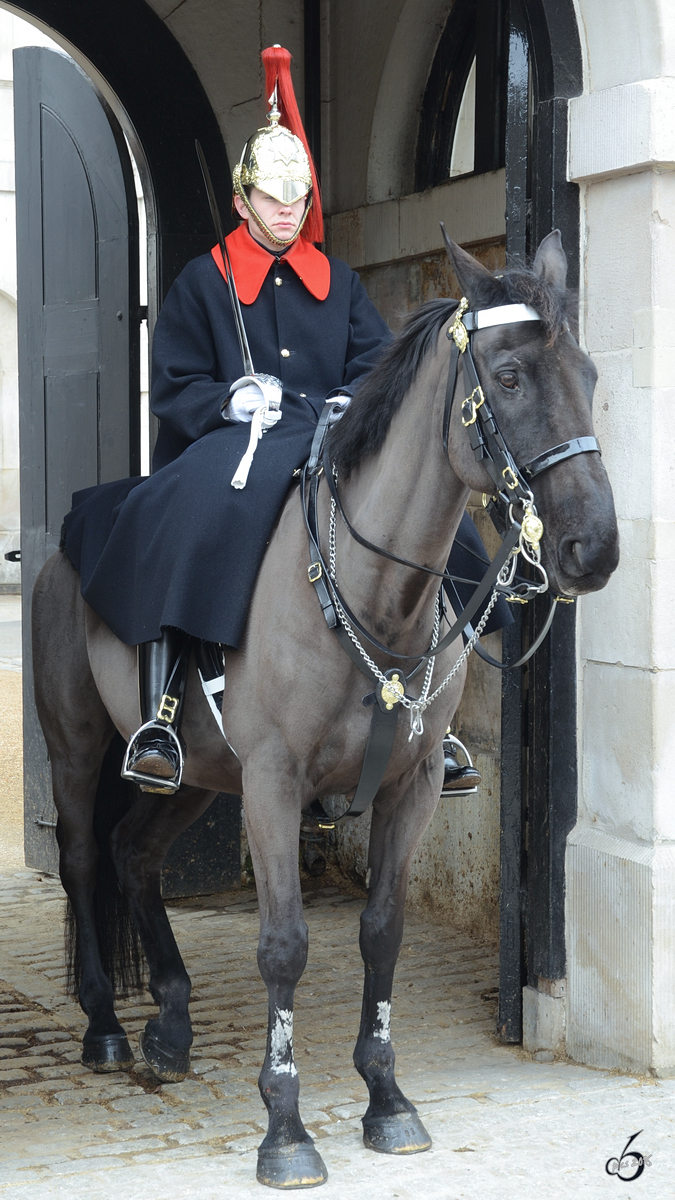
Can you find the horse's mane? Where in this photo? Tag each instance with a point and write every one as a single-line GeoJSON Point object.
{"type": "Point", "coordinates": [365, 425]}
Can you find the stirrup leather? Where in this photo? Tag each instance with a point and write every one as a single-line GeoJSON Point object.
{"type": "Point", "coordinates": [147, 782]}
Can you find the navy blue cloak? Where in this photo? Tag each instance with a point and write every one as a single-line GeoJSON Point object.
{"type": "Point", "coordinates": [183, 547]}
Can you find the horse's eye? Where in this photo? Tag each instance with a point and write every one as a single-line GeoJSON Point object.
{"type": "Point", "coordinates": [509, 380]}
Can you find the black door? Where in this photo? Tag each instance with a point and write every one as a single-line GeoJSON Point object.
{"type": "Point", "coordinates": [78, 312]}
{"type": "Point", "coordinates": [78, 336]}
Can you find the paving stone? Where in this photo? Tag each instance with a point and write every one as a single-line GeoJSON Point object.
{"type": "Point", "coordinates": [501, 1123]}
{"type": "Point", "coordinates": [127, 1147]}
{"type": "Point", "coordinates": [82, 1166]}
{"type": "Point", "coordinates": [212, 1134]}
{"type": "Point", "coordinates": [135, 1104]}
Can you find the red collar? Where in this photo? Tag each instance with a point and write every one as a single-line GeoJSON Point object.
{"type": "Point", "coordinates": [251, 262]}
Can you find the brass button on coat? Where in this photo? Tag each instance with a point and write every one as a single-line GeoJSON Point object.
{"type": "Point", "coordinates": [285, 354]}
{"type": "Point", "coordinates": [278, 281]}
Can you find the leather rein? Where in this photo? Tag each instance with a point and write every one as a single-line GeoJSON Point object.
{"type": "Point", "coordinates": [519, 537]}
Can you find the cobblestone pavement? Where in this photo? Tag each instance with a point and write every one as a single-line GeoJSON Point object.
{"type": "Point", "coordinates": [502, 1125]}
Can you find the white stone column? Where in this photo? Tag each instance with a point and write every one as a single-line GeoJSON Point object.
{"type": "Point", "coordinates": [621, 854]}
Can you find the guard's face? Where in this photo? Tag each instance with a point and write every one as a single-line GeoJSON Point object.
{"type": "Point", "coordinates": [282, 219]}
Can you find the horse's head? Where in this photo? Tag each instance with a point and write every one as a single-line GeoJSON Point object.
{"type": "Point", "coordinates": [539, 384]}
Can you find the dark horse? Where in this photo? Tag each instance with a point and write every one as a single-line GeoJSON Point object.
{"type": "Point", "coordinates": [293, 716]}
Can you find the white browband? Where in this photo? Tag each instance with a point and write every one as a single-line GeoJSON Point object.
{"type": "Point", "coordinates": [504, 314]}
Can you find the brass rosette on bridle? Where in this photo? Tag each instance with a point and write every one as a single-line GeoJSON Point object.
{"type": "Point", "coordinates": [532, 527]}
{"type": "Point", "coordinates": [274, 161]}
{"type": "Point", "coordinates": [457, 329]}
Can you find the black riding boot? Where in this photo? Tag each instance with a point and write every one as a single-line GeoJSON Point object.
{"type": "Point", "coordinates": [457, 779]}
{"type": "Point", "coordinates": [154, 757]}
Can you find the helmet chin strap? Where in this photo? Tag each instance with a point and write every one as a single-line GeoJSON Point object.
{"type": "Point", "coordinates": [280, 243]}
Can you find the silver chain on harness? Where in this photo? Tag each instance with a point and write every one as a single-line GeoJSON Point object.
{"type": "Point", "coordinates": [416, 707]}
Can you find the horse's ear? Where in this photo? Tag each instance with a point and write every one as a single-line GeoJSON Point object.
{"type": "Point", "coordinates": [476, 282]}
{"type": "Point", "coordinates": [550, 262]}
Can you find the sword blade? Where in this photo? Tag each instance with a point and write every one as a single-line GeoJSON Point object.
{"type": "Point", "coordinates": [231, 287]}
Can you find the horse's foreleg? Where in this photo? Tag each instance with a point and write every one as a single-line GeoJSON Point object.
{"type": "Point", "coordinates": [287, 1157]}
{"type": "Point", "coordinates": [391, 1124]}
{"type": "Point", "coordinates": [140, 844]}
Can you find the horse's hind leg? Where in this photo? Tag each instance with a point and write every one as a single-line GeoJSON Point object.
{"type": "Point", "coordinates": [391, 1124]}
{"type": "Point", "coordinates": [287, 1157]}
{"type": "Point", "coordinates": [140, 844]}
{"type": "Point", "coordinates": [78, 731]}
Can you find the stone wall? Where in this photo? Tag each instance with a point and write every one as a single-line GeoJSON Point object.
{"type": "Point", "coordinates": [621, 855]}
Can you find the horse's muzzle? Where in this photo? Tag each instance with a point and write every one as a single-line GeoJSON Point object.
{"type": "Point", "coordinates": [585, 561]}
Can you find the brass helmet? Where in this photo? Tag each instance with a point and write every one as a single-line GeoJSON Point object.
{"type": "Point", "coordinates": [276, 159]}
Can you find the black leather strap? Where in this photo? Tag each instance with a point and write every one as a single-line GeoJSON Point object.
{"type": "Point", "coordinates": [520, 662]}
{"type": "Point", "coordinates": [449, 393]}
{"type": "Point", "coordinates": [557, 454]}
{"type": "Point", "coordinates": [378, 749]}
{"type": "Point", "coordinates": [316, 452]}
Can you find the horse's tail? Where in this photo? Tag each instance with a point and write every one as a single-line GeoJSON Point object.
{"type": "Point", "coordinates": [118, 941]}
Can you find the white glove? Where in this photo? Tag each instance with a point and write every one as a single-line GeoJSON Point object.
{"type": "Point", "coordinates": [249, 393]}
{"type": "Point", "coordinates": [254, 398]}
{"type": "Point", "coordinates": [340, 404]}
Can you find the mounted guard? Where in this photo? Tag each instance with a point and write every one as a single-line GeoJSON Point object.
{"type": "Point", "coordinates": [493, 394]}
{"type": "Point", "coordinates": [170, 562]}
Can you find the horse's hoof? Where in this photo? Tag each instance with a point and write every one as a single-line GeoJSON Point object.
{"type": "Point", "coordinates": [167, 1063]}
{"type": "Point", "coordinates": [296, 1166]}
{"type": "Point", "coordinates": [104, 1052]}
{"type": "Point", "coordinates": [400, 1133]}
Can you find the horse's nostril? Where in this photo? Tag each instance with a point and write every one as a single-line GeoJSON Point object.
{"type": "Point", "coordinates": [580, 557]}
{"type": "Point", "coordinates": [572, 556]}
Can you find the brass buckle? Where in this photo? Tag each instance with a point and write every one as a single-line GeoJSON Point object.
{"type": "Point", "coordinates": [457, 330]}
{"type": "Point", "coordinates": [168, 707]}
{"type": "Point", "coordinates": [314, 572]}
{"type": "Point", "coordinates": [510, 478]}
{"type": "Point", "coordinates": [474, 406]}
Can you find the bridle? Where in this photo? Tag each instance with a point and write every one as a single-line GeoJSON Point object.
{"type": "Point", "coordinates": [491, 451]}
{"type": "Point", "coordinates": [487, 443]}
{"type": "Point", "coordinates": [521, 536]}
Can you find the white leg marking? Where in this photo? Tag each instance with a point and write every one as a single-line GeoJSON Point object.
{"type": "Point", "coordinates": [384, 1017]}
{"type": "Point", "coordinates": [281, 1043]}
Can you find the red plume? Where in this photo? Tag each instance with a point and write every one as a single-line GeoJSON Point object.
{"type": "Point", "coordinates": [277, 64]}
